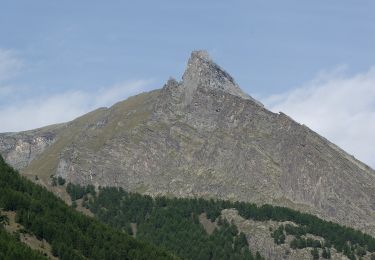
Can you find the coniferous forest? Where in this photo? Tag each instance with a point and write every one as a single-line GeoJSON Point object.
{"type": "Point", "coordinates": [12, 248]}
{"type": "Point", "coordinates": [173, 224]}
{"type": "Point", "coordinates": [71, 234]}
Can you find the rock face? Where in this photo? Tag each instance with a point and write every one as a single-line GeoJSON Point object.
{"type": "Point", "coordinates": [202, 72]}
{"type": "Point", "coordinates": [20, 149]}
{"type": "Point", "coordinates": [203, 137]}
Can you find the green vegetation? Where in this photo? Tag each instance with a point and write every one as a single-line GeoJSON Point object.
{"type": "Point", "coordinates": [55, 181]}
{"type": "Point", "coordinates": [301, 242]}
{"type": "Point", "coordinates": [77, 191]}
{"type": "Point", "coordinates": [326, 254]}
{"type": "Point", "coordinates": [3, 220]}
{"type": "Point", "coordinates": [12, 248]}
{"type": "Point", "coordinates": [60, 180]}
{"type": "Point", "coordinates": [173, 223]}
{"type": "Point", "coordinates": [170, 223]}
{"type": "Point", "coordinates": [278, 235]}
{"type": "Point", "coordinates": [344, 239]}
{"type": "Point", "coordinates": [71, 234]}
{"type": "Point", "coordinates": [315, 253]}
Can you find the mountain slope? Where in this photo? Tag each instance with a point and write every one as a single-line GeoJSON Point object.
{"type": "Point", "coordinates": [196, 228]}
{"type": "Point", "coordinates": [204, 137]}
{"type": "Point", "coordinates": [71, 234]}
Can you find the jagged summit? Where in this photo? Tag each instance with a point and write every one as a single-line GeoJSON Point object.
{"type": "Point", "coordinates": [172, 82]}
{"type": "Point", "coordinates": [201, 54]}
{"type": "Point", "coordinates": [203, 72]}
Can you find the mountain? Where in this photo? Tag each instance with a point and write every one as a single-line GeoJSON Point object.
{"type": "Point", "coordinates": [36, 216]}
{"type": "Point", "coordinates": [201, 137]}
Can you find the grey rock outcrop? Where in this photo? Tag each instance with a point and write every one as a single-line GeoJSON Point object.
{"type": "Point", "coordinates": [202, 72]}
{"type": "Point", "coordinates": [204, 137]}
{"type": "Point", "coordinates": [19, 149]}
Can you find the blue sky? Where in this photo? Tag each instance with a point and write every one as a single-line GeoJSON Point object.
{"type": "Point", "coordinates": [59, 59]}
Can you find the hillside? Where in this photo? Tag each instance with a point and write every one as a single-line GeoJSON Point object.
{"type": "Point", "coordinates": [70, 234]}
{"type": "Point", "coordinates": [201, 137]}
{"type": "Point", "coordinates": [12, 248]}
{"type": "Point", "coordinates": [216, 229]}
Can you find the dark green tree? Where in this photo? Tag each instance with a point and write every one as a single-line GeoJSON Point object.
{"type": "Point", "coordinates": [315, 253]}
{"type": "Point", "coordinates": [326, 254]}
{"type": "Point", "coordinates": [4, 220]}
{"type": "Point", "coordinates": [60, 180]}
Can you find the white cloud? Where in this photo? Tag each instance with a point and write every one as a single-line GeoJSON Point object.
{"type": "Point", "coordinates": [24, 108]}
{"type": "Point", "coordinates": [339, 107]}
{"type": "Point", "coordinates": [45, 110]}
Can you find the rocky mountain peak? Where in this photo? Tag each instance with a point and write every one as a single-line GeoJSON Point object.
{"type": "Point", "coordinates": [219, 144]}
{"type": "Point", "coordinates": [203, 72]}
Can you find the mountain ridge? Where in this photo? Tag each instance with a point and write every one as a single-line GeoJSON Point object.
{"type": "Point", "coordinates": [202, 137]}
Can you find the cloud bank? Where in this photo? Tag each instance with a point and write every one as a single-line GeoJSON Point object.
{"type": "Point", "coordinates": [24, 107]}
{"type": "Point", "coordinates": [339, 107]}
{"type": "Point", "coordinates": [45, 110]}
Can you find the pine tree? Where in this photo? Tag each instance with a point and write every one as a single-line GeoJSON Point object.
{"type": "Point", "coordinates": [315, 253]}
{"type": "Point", "coordinates": [4, 220]}
{"type": "Point", "coordinates": [326, 254]}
